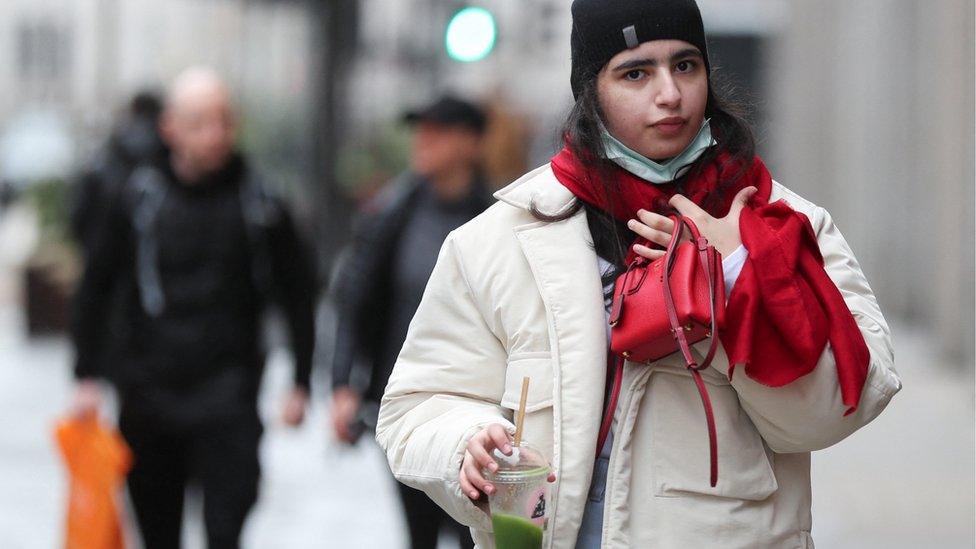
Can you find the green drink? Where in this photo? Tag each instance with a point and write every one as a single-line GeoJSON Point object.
{"type": "Point", "coordinates": [518, 503]}
{"type": "Point", "coordinates": [513, 532]}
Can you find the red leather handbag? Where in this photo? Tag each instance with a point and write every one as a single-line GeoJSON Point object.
{"type": "Point", "coordinates": [665, 306]}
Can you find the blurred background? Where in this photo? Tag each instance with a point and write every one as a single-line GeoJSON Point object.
{"type": "Point", "coordinates": [866, 108]}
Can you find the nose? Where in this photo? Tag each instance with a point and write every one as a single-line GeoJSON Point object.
{"type": "Point", "coordinates": [216, 134]}
{"type": "Point", "coordinates": [668, 95]}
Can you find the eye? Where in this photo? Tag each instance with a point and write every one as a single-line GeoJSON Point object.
{"type": "Point", "coordinates": [685, 66]}
{"type": "Point", "coordinates": [634, 75]}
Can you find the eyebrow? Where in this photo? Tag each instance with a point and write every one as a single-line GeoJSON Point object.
{"type": "Point", "coordinates": [636, 63]}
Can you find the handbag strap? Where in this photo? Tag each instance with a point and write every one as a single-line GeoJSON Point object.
{"type": "Point", "coordinates": [711, 274]}
{"type": "Point", "coordinates": [678, 331]}
{"type": "Point", "coordinates": [608, 413]}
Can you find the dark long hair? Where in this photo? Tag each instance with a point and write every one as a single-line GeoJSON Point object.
{"type": "Point", "coordinates": [582, 135]}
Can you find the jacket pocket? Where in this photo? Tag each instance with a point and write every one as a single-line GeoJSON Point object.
{"type": "Point", "coordinates": [680, 449]}
{"type": "Point", "coordinates": [537, 367]}
{"type": "Point", "coordinates": [538, 427]}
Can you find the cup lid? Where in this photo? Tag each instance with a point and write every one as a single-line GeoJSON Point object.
{"type": "Point", "coordinates": [524, 463]}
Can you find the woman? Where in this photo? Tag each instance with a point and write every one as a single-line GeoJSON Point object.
{"type": "Point", "coordinates": [520, 291]}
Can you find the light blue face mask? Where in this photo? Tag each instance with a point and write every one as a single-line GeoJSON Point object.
{"type": "Point", "coordinates": [649, 170]}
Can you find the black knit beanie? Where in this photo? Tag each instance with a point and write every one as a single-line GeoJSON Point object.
{"type": "Point", "coordinates": [604, 28]}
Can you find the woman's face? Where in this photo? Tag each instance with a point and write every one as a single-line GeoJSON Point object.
{"type": "Point", "coordinates": [653, 97]}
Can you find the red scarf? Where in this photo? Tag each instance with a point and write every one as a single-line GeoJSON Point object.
{"type": "Point", "coordinates": [783, 308]}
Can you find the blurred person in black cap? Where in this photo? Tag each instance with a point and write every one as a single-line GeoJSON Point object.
{"type": "Point", "coordinates": [196, 247]}
{"type": "Point", "coordinates": [134, 141]}
{"type": "Point", "coordinates": [395, 245]}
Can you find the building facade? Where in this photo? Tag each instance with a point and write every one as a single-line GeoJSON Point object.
{"type": "Point", "coordinates": [79, 61]}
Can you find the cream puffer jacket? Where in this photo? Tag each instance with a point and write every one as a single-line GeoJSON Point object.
{"type": "Point", "coordinates": [512, 296]}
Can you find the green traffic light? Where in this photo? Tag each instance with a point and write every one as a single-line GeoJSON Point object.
{"type": "Point", "coordinates": [470, 35]}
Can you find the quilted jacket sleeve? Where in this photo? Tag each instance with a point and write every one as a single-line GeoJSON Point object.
{"type": "Point", "coordinates": [808, 414]}
{"type": "Point", "coordinates": [446, 386]}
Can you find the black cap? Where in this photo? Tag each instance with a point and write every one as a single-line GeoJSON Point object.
{"type": "Point", "coordinates": [604, 28]}
{"type": "Point", "coordinates": [450, 111]}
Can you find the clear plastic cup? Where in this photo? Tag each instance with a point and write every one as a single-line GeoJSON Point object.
{"type": "Point", "coordinates": [519, 503]}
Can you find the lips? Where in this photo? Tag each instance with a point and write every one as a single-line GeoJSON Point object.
{"type": "Point", "coordinates": [670, 125]}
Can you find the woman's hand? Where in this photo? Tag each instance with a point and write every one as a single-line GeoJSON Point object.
{"type": "Point", "coordinates": [477, 457]}
{"type": "Point", "coordinates": [723, 233]}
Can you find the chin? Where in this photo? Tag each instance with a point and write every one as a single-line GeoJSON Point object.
{"type": "Point", "coordinates": [217, 163]}
{"type": "Point", "coordinates": [661, 156]}
{"type": "Point", "coordinates": [666, 152]}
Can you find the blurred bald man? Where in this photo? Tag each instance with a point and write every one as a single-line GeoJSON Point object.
{"type": "Point", "coordinates": [198, 249]}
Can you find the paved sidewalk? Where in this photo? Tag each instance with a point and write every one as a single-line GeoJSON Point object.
{"type": "Point", "coordinates": [905, 481]}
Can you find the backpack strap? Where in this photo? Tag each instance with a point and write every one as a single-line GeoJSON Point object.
{"type": "Point", "coordinates": [150, 192]}
{"type": "Point", "coordinates": [261, 212]}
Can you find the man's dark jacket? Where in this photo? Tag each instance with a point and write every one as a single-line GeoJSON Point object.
{"type": "Point", "coordinates": [193, 352]}
{"type": "Point", "coordinates": [365, 345]}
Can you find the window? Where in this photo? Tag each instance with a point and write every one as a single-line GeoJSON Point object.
{"type": "Point", "coordinates": [43, 56]}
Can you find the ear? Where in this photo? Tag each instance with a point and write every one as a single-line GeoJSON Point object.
{"type": "Point", "coordinates": [476, 145]}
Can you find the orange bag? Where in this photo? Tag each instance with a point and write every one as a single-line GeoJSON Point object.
{"type": "Point", "coordinates": [97, 459]}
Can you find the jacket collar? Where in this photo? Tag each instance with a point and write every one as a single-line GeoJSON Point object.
{"type": "Point", "coordinates": [540, 188]}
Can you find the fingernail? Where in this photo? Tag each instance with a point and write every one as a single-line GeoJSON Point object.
{"type": "Point", "coordinates": [489, 489]}
{"type": "Point", "coordinates": [507, 449]}
{"type": "Point", "coordinates": [473, 494]}
{"type": "Point", "coordinates": [493, 467]}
